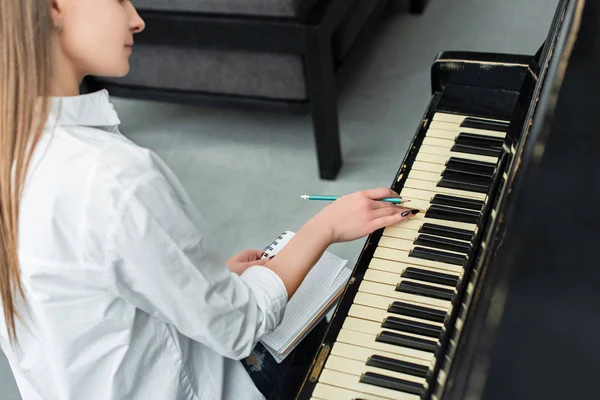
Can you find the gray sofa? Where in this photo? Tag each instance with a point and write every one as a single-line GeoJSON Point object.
{"type": "Point", "coordinates": [275, 54]}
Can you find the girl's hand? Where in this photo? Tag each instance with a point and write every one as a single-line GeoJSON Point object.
{"type": "Point", "coordinates": [244, 260]}
{"type": "Point", "coordinates": [358, 214]}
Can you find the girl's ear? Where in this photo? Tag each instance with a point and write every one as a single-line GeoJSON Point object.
{"type": "Point", "coordinates": [56, 13]}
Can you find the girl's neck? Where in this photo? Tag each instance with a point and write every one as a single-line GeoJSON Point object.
{"type": "Point", "coordinates": [65, 85]}
{"type": "Point", "coordinates": [66, 79]}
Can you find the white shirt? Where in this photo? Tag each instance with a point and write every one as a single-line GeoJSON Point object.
{"type": "Point", "coordinates": [127, 296]}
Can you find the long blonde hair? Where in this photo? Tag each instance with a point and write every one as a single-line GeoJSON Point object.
{"type": "Point", "coordinates": [26, 32]}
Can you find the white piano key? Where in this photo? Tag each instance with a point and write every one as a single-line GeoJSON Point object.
{"type": "Point", "coordinates": [373, 328]}
{"type": "Point", "coordinates": [451, 134]}
{"type": "Point", "coordinates": [390, 278]}
{"type": "Point", "coordinates": [458, 118]}
{"type": "Point", "coordinates": [447, 153]}
{"type": "Point", "coordinates": [351, 382]}
{"type": "Point", "coordinates": [427, 157]}
{"type": "Point", "coordinates": [433, 189]}
{"type": "Point", "coordinates": [328, 392]}
{"type": "Point", "coordinates": [449, 126]}
{"type": "Point", "coordinates": [369, 341]}
{"type": "Point", "coordinates": [363, 354]}
{"type": "Point", "coordinates": [425, 176]}
{"type": "Point", "coordinates": [419, 204]}
{"type": "Point", "coordinates": [416, 219]}
{"type": "Point", "coordinates": [403, 244]}
{"type": "Point", "coordinates": [353, 367]}
{"type": "Point", "coordinates": [427, 195]}
{"type": "Point", "coordinates": [395, 243]}
{"type": "Point", "coordinates": [423, 206]}
{"type": "Point", "coordinates": [416, 223]}
{"type": "Point", "coordinates": [401, 233]}
{"type": "Point", "coordinates": [404, 257]}
{"type": "Point", "coordinates": [428, 167]}
{"type": "Point", "coordinates": [389, 291]}
{"type": "Point", "coordinates": [438, 142]}
{"type": "Point", "coordinates": [378, 315]}
{"type": "Point", "coordinates": [398, 268]}
{"type": "Point", "coordinates": [383, 303]}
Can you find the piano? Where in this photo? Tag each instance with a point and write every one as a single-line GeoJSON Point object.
{"type": "Point", "coordinates": [493, 290]}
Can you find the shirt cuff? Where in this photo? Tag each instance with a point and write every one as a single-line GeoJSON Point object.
{"type": "Point", "coordinates": [270, 293]}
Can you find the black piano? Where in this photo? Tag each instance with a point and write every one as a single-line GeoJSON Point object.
{"type": "Point", "coordinates": [493, 291]}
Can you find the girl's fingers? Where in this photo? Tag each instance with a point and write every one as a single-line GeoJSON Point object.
{"type": "Point", "coordinates": [380, 193]}
{"type": "Point", "coordinates": [258, 254]}
{"type": "Point", "coordinates": [384, 204]}
{"type": "Point", "coordinates": [394, 209]}
{"type": "Point", "coordinates": [262, 262]}
{"type": "Point", "coordinates": [385, 211]}
{"type": "Point", "coordinates": [383, 217]}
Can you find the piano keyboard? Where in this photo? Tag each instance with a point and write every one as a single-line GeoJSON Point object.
{"type": "Point", "coordinates": [388, 342]}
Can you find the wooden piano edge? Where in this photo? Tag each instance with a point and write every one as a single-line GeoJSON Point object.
{"type": "Point", "coordinates": [458, 67]}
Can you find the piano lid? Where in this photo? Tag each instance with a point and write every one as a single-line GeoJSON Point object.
{"type": "Point", "coordinates": [538, 313]}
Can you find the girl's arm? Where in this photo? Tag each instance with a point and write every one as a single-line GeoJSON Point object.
{"type": "Point", "coordinates": [160, 258]}
{"type": "Point", "coordinates": [348, 218]}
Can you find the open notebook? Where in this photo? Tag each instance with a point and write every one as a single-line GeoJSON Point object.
{"type": "Point", "coordinates": [314, 298]}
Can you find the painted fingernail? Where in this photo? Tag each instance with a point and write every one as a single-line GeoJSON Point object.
{"type": "Point", "coordinates": [405, 213]}
{"type": "Point", "coordinates": [415, 211]}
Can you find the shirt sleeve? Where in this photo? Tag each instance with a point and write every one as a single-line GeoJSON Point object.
{"type": "Point", "coordinates": [162, 261]}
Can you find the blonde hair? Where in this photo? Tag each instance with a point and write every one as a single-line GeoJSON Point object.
{"type": "Point", "coordinates": [26, 32]}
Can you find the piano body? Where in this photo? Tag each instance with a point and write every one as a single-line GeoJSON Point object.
{"type": "Point", "coordinates": [493, 291]}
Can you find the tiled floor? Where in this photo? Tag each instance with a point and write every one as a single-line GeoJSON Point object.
{"type": "Point", "coordinates": [246, 170]}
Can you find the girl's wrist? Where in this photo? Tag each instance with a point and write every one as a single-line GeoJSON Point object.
{"type": "Point", "coordinates": [319, 231]}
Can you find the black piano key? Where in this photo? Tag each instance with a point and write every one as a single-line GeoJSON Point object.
{"type": "Point", "coordinates": [438, 255]}
{"type": "Point", "coordinates": [425, 290]}
{"type": "Point", "coordinates": [481, 151]}
{"type": "Point", "coordinates": [371, 378]}
{"type": "Point", "coordinates": [447, 231]}
{"type": "Point", "coordinates": [477, 123]}
{"type": "Point", "coordinates": [411, 310]}
{"type": "Point", "coordinates": [412, 342]}
{"type": "Point", "coordinates": [467, 176]}
{"type": "Point", "coordinates": [460, 202]}
{"type": "Point", "coordinates": [444, 244]}
{"type": "Point", "coordinates": [410, 326]}
{"type": "Point", "coordinates": [429, 276]}
{"type": "Point", "coordinates": [462, 185]}
{"type": "Point", "coordinates": [463, 164]}
{"type": "Point", "coordinates": [471, 139]}
{"type": "Point", "coordinates": [403, 367]}
{"type": "Point", "coordinates": [452, 214]}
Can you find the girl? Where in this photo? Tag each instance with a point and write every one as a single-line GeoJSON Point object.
{"type": "Point", "coordinates": [110, 287]}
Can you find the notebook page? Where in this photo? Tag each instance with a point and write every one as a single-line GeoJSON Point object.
{"type": "Point", "coordinates": [314, 292]}
{"type": "Point", "coordinates": [339, 284]}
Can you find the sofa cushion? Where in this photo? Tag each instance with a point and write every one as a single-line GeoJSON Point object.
{"type": "Point", "coordinates": [275, 8]}
{"type": "Point", "coordinates": [216, 71]}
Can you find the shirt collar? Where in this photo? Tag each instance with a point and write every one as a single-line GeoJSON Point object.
{"type": "Point", "coordinates": [92, 109]}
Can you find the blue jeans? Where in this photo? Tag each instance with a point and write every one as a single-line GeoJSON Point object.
{"type": "Point", "coordinates": [283, 381]}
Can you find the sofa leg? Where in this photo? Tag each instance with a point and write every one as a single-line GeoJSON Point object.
{"type": "Point", "coordinates": [321, 89]}
{"type": "Point", "coordinates": [418, 6]}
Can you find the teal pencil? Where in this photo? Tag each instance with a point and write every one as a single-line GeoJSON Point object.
{"type": "Point", "coordinates": [395, 200]}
